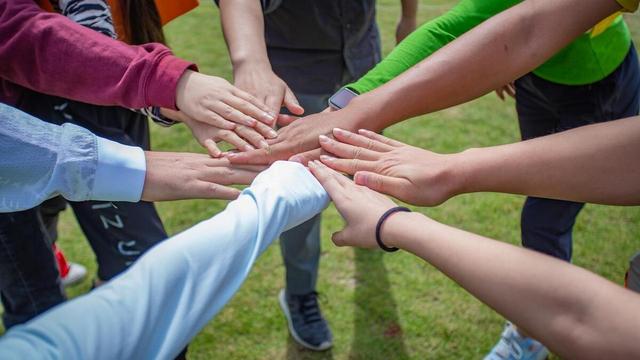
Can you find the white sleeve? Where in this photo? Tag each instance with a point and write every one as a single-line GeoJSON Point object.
{"type": "Point", "coordinates": [40, 160]}
{"type": "Point", "coordinates": [154, 309]}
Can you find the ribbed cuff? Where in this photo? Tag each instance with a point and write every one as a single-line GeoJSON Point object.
{"type": "Point", "coordinates": [163, 81]}
{"type": "Point", "coordinates": [120, 172]}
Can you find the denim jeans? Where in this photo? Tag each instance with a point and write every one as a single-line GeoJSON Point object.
{"type": "Point", "coordinates": [544, 108]}
{"type": "Point", "coordinates": [300, 246]}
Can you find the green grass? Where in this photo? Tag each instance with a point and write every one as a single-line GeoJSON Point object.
{"type": "Point", "coordinates": [379, 306]}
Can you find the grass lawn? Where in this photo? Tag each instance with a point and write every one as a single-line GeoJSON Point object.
{"type": "Point", "coordinates": [380, 306]}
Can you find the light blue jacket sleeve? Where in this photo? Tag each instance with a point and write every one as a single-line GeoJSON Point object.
{"type": "Point", "coordinates": [153, 309]}
{"type": "Point", "coordinates": [40, 160]}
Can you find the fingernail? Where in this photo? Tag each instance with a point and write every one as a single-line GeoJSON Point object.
{"type": "Point", "coordinates": [251, 122]}
{"type": "Point", "coordinates": [268, 116]}
{"type": "Point", "coordinates": [340, 131]}
{"type": "Point", "coordinates": [272, 134]}
{"type": "Point", "coordinates": [248, 148]}
{"type": "Point", "coordinates": [311, 164]}
{"type": "Point", "coordinates": [230, 155]}
{"type": "Point", "coordinates": [323, 139]}
{"type": "Point", "coordinates": [327, 158]}
{"type": "Point", "coordinates": [297, 159]}
{"type": "Point", "coordinates": [359, 178]}
{"type": "Point", "coordinates": [263, 144]}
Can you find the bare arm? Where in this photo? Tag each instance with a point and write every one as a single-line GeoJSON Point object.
{"type": "Point", "coordinates": [597, 164]}
{"type": "Point", "coordinates": [574, 312]}
{"type": "Point", "coordinates": [497, 51]}
{"type": "Point", "coordinates": [407, 22]}
{"type": "Point", "coordinates": [243, 26]}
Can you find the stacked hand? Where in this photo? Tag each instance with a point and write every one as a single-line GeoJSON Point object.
{"type": "Point", "coordinates": [175, 176]}
{"type": "Point", "coordinates": [215, 110]}
{"type": "Point", "coordinates": [360, 207]}
{"type": "Point", "coordinates": [296, 142]}
{"type": "Point", "coordinates": [413, 175]}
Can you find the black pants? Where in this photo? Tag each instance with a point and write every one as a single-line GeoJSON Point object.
{"type": "Point", "coordinates": [119, 232]}
{"type": "Point", "coordinates": [545, 108]}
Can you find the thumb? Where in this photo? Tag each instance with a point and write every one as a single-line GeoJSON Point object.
{"type": "Point", "coordinates": [339, 238]}
{"type": "Point", "coordinates": [291, 103]}
{"type": "Point", "coordinates": [395, 187]}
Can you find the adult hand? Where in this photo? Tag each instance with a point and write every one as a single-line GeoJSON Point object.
{"type": "Point", "coordinates": [299, 137]}
{"type": "Point", "coordinates": [509, 89]}
{"type": "Point", "coordinates": [360, 207]}
{"type": "Point", "coordinates": [260, 81]}
{"type": "Point", "coordinates": [175, 176]}
{"type": "Point", "coordinates": [413, 175]}
{"type": "Point", "coordinates": [242, 137]}
{"type": "Point", "coordinates": [214, 101]}
{"type": "Point", "coordinates": [406, 26]}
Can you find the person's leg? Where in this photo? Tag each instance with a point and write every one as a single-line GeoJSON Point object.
{"type": "Point", "coordinates": [70, 273]}
{"type": "Point", "coordinates": [300, 249]}
{"type": "Point", "coordinates": [29, 279]}
{"type": "Point", "coordinates": [119, 232]}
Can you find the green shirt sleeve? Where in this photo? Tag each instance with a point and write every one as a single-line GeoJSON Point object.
{"type": "Point", "coordinates": [428, 38]}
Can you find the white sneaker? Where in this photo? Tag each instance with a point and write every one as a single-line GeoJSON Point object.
{"type": "Point", "coordinates": [76, 273]}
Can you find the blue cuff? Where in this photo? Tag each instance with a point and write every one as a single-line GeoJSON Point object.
{"type": "Point", "coordinates": [120, 172]}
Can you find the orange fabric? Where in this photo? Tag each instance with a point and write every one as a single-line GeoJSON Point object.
{"type": "Point", "coordinates": [171, 9]}
{"type": "Point", "coordinates": [45, 4]}
{"type": "Point", "coordinates": [168, 10]}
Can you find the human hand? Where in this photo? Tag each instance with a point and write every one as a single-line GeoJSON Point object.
{"type": "Point", "coordinates": [406, 25]}
{"type": "Point", "coordinates": [214, 101]}
{"type": "Point", "coordinates": [299, 139]}
{"type": "Point", "coordinates": [175, 176]}
{"type": "Point", "coordinates": [509, 89]}
{"type": "Point", "coordinates": [242, 137]}
{"type": "Point", "coordinates": [360, 207]}
{"type": "Point", "coordinates": [408, 173]}
{"type": "Point", "coordinates": [260, 81]}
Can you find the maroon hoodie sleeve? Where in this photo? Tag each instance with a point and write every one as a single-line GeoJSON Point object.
{"type": "Point", "coordinates": [49, 53]}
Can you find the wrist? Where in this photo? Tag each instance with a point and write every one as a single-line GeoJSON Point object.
{"type": "Point", "coordinates": [466, 171]}
{"type": "Point", "coordinates": [181, 88]}
{"type": "Point", "coordinates": [359, 115]}
{"type": "Point", "coordinates": [393, 233]}
{"type": "Point", "coordinates": [410, 18]}
{"type": "Point", "coordinates": [250, 64]}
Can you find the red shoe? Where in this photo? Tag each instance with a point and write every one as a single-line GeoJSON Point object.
{"type": "Point", "coordinates": [70, 273]}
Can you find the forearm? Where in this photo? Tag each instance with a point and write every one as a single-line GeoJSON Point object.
{"type": "Point", "coordinates": [243, 27]}
{"type": "Point", "coordinates": [42, 160]}
{"type": "Point", "coordinates": [409, 8]}
{"type": "Point", "coordinates": [428, 38]}
{"type": "Point", "coordinates": [595, 164]}
{"type": "Point", "coordinates": [577, 314]}
{"type": "Point", "coordinates": [104, 71]}
{"type": "Point", "coordinates": [162, 301]}
{"type": "Point", "coordinates": [497, 51]}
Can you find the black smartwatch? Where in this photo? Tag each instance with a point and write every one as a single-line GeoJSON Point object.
{"type": "Point", "coordinates": [341, 98]}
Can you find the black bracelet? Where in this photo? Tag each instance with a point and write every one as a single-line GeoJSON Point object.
{"type": "Point", "coordinates": [379, 226]}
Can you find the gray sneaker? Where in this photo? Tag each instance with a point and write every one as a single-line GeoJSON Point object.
{"type": "Point", "coordinates": [306, 324]}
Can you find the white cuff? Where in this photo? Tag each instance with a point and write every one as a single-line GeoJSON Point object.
{"type": "Point", "coordinates": [120, 172]}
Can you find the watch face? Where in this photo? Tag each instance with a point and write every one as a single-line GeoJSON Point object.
{"type": "Point", "coordinates": [340, 99]}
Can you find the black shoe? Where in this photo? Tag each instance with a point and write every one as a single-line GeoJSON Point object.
{"type": "Point", "coordinates": [306, 324]}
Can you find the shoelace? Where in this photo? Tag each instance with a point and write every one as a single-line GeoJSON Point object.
{"type": "Point", "coordinates": [309, 308]}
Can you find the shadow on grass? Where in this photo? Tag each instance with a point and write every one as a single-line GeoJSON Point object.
{"type": "Point", "coordinates": [377, 330]}
{"type": "Point", "coordinates": [297, 352]}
